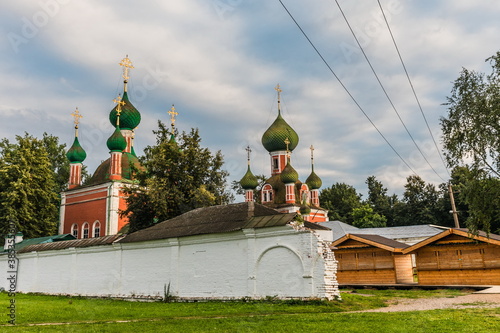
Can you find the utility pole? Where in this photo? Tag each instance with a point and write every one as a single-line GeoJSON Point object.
{"type": "Point", "coordinates": [453, 208]}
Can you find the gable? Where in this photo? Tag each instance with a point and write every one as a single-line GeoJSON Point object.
{"type": "Point", "coordinates": [456, 236]}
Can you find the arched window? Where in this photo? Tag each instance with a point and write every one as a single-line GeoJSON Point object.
{"type": "Point", "coordinates": [96, 229]}
{"type": "Point", "coordinates": [74, 230]}
{"type": "Point", "coordinates": [85, 230]}
{"type": "Point", "coordinates": [267, 193]}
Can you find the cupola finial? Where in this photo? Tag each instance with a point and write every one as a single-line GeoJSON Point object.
{"type": "Point", "coordinates": [287, 143]}
{"type": "Point", "coordinates": [278, 89]}
{"type": "Point", "coordinates": [172, 114]}
{"type": "Point", "coordinates": [76, 115]}
{"type": "Point", "coordinates": [119, 104]}
{"type": "Point", "coordinates": [312, 156]}
{"type": "Point", "coordinates": [249, 150]}
{"type": "Point", "coordinates": [127, 66]}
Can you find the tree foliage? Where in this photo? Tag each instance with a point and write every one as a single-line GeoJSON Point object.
{"type": "Point", "coordinates": [419, 204]}
{"type": "Point", "coordinates": [471, 137]}
{"type": "Point", "coordinates": [379, 201]}
{"type": "Point", "coordinates": [471, 132]}
{"type": "Point", "coordinates": [29, 186]}
{"type": "Point", "coordinates": [365, 217]}
{"type": "Point", "coordinates": [340, 200]}
{"type": "Point", "coordinates": [478, 199]}
{"type": "Point", "coordinates": [178, 176]}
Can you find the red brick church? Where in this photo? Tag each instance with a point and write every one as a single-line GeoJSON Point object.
{"type": "Point", "coordinates": [93, 210]}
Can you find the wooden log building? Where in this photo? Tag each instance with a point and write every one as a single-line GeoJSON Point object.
{"type": "Point", "coordinates": [456, 257]}
{"type": "Point", "coordinates": [371, 259]}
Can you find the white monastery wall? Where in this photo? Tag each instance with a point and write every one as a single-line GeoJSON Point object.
{"type": "Point", "coordinates": [276, 261]}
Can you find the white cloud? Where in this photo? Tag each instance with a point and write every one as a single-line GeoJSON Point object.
{"type": "Point", "coordinates": [219, 65]}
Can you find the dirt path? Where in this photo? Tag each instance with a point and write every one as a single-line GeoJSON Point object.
{"type": "Point", "coordinates": [459, 302]}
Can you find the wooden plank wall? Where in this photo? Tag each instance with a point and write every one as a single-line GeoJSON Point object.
{"type": "Point", "coordinates": [460, 277]}
{"type": "Point", "coordinates": [372, 266]}
{"type": "Point", "coordinates": [369, 276]}
{"type": "Point", "coordinates": [459, 264]}
{"type": "Point", "coordinates": [404, 268]}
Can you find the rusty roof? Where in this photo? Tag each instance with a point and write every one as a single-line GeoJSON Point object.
{"type": "Point", "coordinates": [84, 242]}
{"type": "Point", "coordinates": [214, 219]}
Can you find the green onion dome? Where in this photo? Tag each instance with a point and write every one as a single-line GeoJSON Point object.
{"type": "Point", "coordinates": [289, 175]}
{"type": "Point", "coordinates": [305, 209]}
{"type": "Point", "coordinates": [249, 181]}
{"type": "Point", "coordinates": [313, 181]}
{"type": "Point", "coordinates": [129, 116]}
{"type": "Point", "coordinates": [117, 141]}
{"type": "Point", "coordinates": [274, 137]}
{"type": "Point", "coordinates": [76, 154]}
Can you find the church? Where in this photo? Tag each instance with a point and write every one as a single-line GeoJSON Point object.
{"type": "Point", "coordinates": [283, 191]}
{"type": "Point", "coordinates": [93, 210]}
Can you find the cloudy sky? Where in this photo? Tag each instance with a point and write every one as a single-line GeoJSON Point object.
{"type": "Point", "coordinates": [218, 61]}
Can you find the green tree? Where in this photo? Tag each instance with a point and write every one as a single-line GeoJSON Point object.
{"type": "Point", "coordinates": [471, 137]}
{"type": "Point", "coordinates": [479, 197]}
{"type": "Point", "coordinates": [379, 201]}
{"type": "Point", "coordinates": [365, 217]}
{"type": "Point", "coordinates": [28, 187]}
{"type": "Point", "coordinates": [419, 204]}
{"type": "Point", "coordinates": [179, 175]}
{"type": "Point", "coordinates": [340, 199]}
{"type": "Point", "coordinates": [471, 132]}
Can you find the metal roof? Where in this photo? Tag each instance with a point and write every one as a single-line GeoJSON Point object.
{"type": "Point", "coordinates": [340, 229]}
{"type": "Point", "coordinates": [42, 240]}
{"type": "Point", "coordinates": [84, 242]}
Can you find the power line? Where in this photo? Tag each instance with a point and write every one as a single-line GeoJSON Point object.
{"type": "Point", "coordinates": [412, 88]}
{"type": "Point", "coordinates": [385, 91]}
{"type": "Point", "coordinates": [345, 88]}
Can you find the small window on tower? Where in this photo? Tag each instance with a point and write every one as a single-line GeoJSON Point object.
{"type": "Point", "coordinates": [74, 230]}
{"type": "Point", "coordinates": [85, 230]}
{"type": "Point", "coordinates": [97, 229]}
{"type": "Point", "coordinates": [275, 163]}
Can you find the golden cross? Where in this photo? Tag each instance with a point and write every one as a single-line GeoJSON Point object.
{"type": "Point", "coordinates": [119, 104]}
{"type": "Point", "coordinates": [287, 142]}
{"type": "Point", "coordinates": [76, 114]}
{"type": "Point", "coordinates": [172, 114]}
{"type": "Point", "coordinates": [278, 89]}
{"type": "Point", "coordinates": [127, 65]}
{"type": "Point", "coordinates": [249, 150]}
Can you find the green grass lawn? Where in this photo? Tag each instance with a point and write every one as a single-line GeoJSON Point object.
{"type": "Point", "coordinates": [41, 313]}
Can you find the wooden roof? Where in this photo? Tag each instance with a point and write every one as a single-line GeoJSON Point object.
{"type": "Point", "coordinates": [456, 235]}
{"type": "Point", "coordinates": [372, 240]}
{"type": "Point", "coordinates": [214, 219]}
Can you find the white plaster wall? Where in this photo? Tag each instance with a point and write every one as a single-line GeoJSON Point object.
{"type": "Point", "coordinates": [254, 262]}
